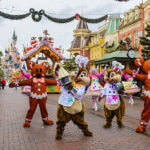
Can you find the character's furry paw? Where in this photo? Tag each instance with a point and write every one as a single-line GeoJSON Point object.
{"type": "Point", "coordinates": [120, 125]}
{"type": "Point", "coordinates": [87, 133]}
{"type": "Point", "coordinates": [26, 124]}
{"type": "Point", "coordinates": [58, 137]}
{"type": "Point", "coordinates": [141, 129]}
{"type": "Point", "coordinates": [48, 122]}
{"type": "Point", "coordinates": [107, 125]}
{"type": "Point", "coordinates": [12, 84]}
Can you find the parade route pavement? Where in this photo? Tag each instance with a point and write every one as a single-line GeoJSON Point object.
{"type": "Point", "coordinates": [13, 109]}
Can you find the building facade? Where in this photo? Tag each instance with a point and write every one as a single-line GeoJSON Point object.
{"type": "Point", "coordinates": [96, 46]}
{"type": "Point", "coordinates": [132, 26]}
{"type": "Point", "coordinates": [82, 36]}
{"type": "Point", "coordinates": [146, 7]}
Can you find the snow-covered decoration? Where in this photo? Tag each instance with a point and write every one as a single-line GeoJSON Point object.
{"type": "Point", "coordinates": [58, 50]}
{"type": "Point", "coordinates": [51, 42]}
{"type": "Point", "coordinates": [34, 43]}
{"type": "Point", "coordinates": [44, 41]}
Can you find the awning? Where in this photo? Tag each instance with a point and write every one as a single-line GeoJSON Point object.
{"type": "Point", "coordinates": [120, 56]}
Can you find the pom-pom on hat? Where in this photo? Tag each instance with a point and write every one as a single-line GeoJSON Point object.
{"type": "Point", "coordinates": [116, 66]}
{"type": "Point", "coordinates": [81, 61]}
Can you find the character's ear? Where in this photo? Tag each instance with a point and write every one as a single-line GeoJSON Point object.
{"type": "Point", "coordinates": [72, 77]}
{"type": "Point", "coordinates": [30, 64]}
{"type": "Point", "coordinates": [46, 65]}
{"type": "Point", "coordinates": [139, 62]}
{"type": "Point", "coordinates": [88, 66]}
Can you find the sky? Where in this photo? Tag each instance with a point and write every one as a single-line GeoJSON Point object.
{"type": "Point", "coordinates": [62, 33]}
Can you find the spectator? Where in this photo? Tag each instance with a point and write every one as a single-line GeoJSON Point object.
{"type": "Point", "coordinates": [0, 84]}
{"type": "Point", "coordinates": [3, 83]}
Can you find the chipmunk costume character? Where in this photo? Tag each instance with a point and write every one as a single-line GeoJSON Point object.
{"type": "Point", "coordinates": [113, 104]}
{"type": "Point", "coordinates": [38, 91]}
{"type": "Point", "coordinates": [70, 105]}
{"type": "Point", "coordinates": [145, 65]}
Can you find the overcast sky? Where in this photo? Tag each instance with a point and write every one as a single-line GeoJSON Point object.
{"type": "Point", "coordinates": [62, 33]}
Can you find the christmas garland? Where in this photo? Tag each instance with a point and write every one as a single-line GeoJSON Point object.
{"type": "Point", "coordinates": [94, 20]}
{"type": "Point", "coordinates": [14, 17]}
{"type": "Point", "coordinates": [58, 20]}
{"type": "Point", "coordinates": [37, 16]}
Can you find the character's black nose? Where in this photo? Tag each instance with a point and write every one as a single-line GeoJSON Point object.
{"type": "Point", "coordinates": [38, 75]}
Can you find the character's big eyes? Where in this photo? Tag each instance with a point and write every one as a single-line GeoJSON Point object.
{"type": "Point", "coordinates": [37, 70]}
{"type": "Point", "coordinates": [40, 69]}
{"type": "Point", "coordinates": [112, 75]}
{"type": "Point", "coordinates": [83, 74]}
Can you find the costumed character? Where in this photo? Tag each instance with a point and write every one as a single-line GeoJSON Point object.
{"type": "Point", "coordinates": [95, 87]}
{"type": "Point", "coordinates": [38, 93]}
{"type": "Point", "coordinates": [145, 77]}
{"type": "Point", "coordinates": [70, 101]}
{"type": "Point", "coordinates": [133, 89]}
{"type": "Point", "coordinates": [114, 104]}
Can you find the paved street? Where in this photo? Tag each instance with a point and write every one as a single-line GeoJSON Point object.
{"type": "Point", "coordinates": [13, 108]}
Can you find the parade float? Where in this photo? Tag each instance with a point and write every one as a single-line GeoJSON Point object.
{"type": "Point", "coordinates": [43, 50]}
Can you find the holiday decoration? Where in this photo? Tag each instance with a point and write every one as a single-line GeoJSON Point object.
{"type": "Point", "coordinates": [44, 47]}
{"type": "Point", "coordinates": [145, 41]}
{"type": "Point", "coordinates": [37, 16]}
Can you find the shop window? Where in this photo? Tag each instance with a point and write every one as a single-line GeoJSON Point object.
{"type": "Point", "coordinates": [139, 35]}
{"type": "Point", "coordinates": [135, 39]}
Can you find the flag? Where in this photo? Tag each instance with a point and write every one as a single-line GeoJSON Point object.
{"type": "Point", "coordinates": [24, 67]}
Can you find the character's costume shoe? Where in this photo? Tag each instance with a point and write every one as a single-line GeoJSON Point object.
{"type": "Point", "coordinates": [87, 133]}
{"type": "Point", "coordinates": [107, 125]}
{"type": "Point", "coordinates": [58, 136]}
{"type": "Point", "coordinates": [141, 129]}
{"type": "Point", "coordinates": [95, 106]}
{"type": "Point", "coordinates": [120, 125]}
{"type": "Point", "coordinates": [48, 122]}
{"type": "Point", "coordinates": [26, 124]}
{"type": "Point", "coordinates": [131, 101]}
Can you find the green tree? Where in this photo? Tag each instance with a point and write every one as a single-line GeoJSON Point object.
{"type": "Point", "coordinates": [69, 64]}
{"type": "Point", "coordinates": [1, 71]}
{"type": "Point", "coordinates": [145, 41]}
{"type": "Point", "coordinates": [1, 54]}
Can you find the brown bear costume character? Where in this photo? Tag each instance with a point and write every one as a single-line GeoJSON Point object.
{"type": "Point", "coordinates": [70, 105]}
{"type": "Point", "coordinates": [145, 77]}
{"type": "Point", "coordinates": [38, 93]}
{"type": "Point", "coordinates": [113, 104]}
